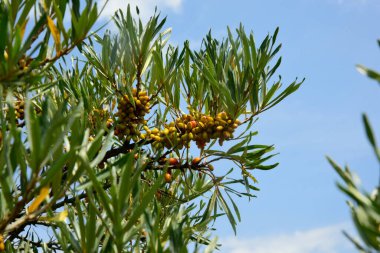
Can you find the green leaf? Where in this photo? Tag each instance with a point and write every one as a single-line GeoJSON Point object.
{"type": "Point", "coordinates": [34, 137]}
{"type": "Point", "coordinates": [369, 72]}
{"type": "Point", "coordinates": [371, 136]}
{"type": "Point", "coordinates": [264, 167]}
{"type": "Point", "coordinates": [3, 27]}
{"type": "Point", "coordinates": [227, 211]}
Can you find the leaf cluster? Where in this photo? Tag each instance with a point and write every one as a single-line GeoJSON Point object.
{"type": "Point", "coordinates": [364, 206]}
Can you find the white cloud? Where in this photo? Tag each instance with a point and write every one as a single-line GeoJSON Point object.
{"type": "Point", "coordinates": [146, 7]}
{"type": "Point", "coordinates": [319, 240]}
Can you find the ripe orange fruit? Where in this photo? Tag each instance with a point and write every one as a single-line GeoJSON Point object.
{"type": "Point", "coordinates": [196, 160]}
{"type": "Point", "coordinates": [2, 246]}
{"type": "Point", "coordinates": [168, 177]}
{"type": "Point", "coordinates": [193, 123]}
{"type": "Point", "coordinates": [173, 161]}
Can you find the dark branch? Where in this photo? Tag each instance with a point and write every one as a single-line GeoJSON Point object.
{"type": "Point", "coordinates": [125, 148]}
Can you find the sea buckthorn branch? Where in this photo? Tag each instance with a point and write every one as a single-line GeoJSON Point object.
{"type": "Point", "coordinates": [40, 244]}
{"type": "Point", "coordinates": [182, 167]}
{"type": "Point", "coordinates": [124, 149]}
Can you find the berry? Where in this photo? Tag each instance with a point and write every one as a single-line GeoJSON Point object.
{"type": "Point", "coordinates": [2, 246]}
{"type": "Point", "coordinates": [168, 177]}
{"type": "Point", "coordinates": [196, 160]}
{"type": "Point", "coordinates": [173, 161]}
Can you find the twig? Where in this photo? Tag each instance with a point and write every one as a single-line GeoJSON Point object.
{"type": "Point", "coordinates": [51, 245]}
{"type": "Point", "coordinates": [125, 148]}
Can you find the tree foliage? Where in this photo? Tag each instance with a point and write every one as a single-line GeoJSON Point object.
{"type": "Point", "coordinates": [365, 206]}
{"type": "Point", "coordinates": [114, 149]}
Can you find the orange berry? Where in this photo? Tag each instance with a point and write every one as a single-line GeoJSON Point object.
{"type": "Point", "coordinates": [196, 160]}
{"type": "Point", "coordinates": [168, 177]}
{"type": "Point", "coordinates": [193, 123]}
{"type": "Point", "coordinates": [173, 161]}
{"type": "Point", "coordinates": [2, 246]}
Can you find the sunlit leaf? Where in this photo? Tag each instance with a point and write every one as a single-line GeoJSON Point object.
{"type": "Point", "coordinates": [55, 33]}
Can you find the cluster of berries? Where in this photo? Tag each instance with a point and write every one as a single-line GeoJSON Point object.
{"type": "Point", "coordinates": [19, 110]}
{"type": "Point", "coordinates": [97, 117]}
{"type": "Point", "coordinates": [195, 126]}
{"type": "Point", "coordinates": [131, 114]}
{"type": "Point", "coordinates": [198, 127]}
{"type": "Point", "coordinates": [220, 127]}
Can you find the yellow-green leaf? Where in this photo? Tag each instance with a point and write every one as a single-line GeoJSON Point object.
{"type": "Point", "coordinates": [55, 33]}
{"type": "Point", "coordinates": [23, 28]}
{"type": "Point", "coordinates": [60, 217]}
{"type": "Point", "coordinates": [44, 192]}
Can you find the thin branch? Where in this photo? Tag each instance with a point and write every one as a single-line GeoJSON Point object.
{"type": "Point", "coordinates": [125, 148]}
{"type": "Point", "coordinates": [40, 244]}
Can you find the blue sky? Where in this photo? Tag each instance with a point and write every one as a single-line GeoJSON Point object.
{"type": "Point", "coordinates": [299, 208]}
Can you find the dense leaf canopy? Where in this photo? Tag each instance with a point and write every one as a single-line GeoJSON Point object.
{"type": "Point", "coordinates": [113, 141]}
